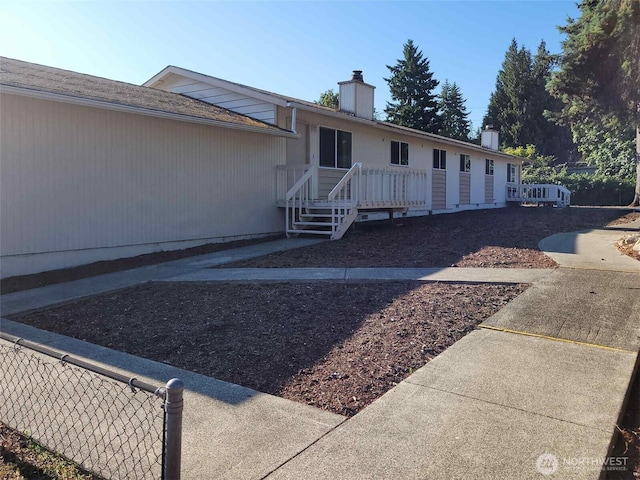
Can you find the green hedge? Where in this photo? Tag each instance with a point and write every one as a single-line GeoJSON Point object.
{"type": "Point", "coordinates": [585, 189]}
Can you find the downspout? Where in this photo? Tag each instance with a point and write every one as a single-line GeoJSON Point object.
{"type": "Point", "coordinates": [294, 114]}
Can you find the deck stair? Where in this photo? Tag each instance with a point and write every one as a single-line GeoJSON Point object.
{"type": "Point", "coordinates": [359, 189]}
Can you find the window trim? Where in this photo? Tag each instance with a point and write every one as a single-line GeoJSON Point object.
{"type": "Point", "coordinates": [401, 161]}
{"type": "Point", "coordinates": [441, 161]}
{"type": "Point", "coordinates": [335, 148]}
{"type": "Point", "coordinates": [489, 166]}
{"type": "Point", "coordinates": [466, 166]}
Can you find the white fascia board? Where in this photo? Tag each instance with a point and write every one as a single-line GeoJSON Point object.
{"type": "Point", "coordinates": [86, 102]}
{"type": "Point", "coordinates": [217, 82]}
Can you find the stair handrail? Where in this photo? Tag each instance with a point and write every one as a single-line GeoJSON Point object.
{"type": "Point", "coordinates": [344, 200]}
{"type": "Point", "coordinates": [341, 185]}
{"type": "Point", "coordinates": [302, 191]}
{"type": "Point", "coordinates": [313, 170]}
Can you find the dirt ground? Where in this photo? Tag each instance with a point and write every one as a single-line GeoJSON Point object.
{"type": "Point", "coordinates": [501, 238]}
{"type": "Point", "coordinates": [334, 346]}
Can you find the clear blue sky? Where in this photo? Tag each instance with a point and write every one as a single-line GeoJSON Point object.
{"type": "Point", "coordinates": [298, 49]}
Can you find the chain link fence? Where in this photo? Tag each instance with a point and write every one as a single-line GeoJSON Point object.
{"type": "Point", "coordinates": [113, 426]}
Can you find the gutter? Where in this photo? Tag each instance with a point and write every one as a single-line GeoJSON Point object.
{"type": "Point", "coordinates": [87, 102]}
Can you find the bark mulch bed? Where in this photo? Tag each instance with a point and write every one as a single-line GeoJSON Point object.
{"type": "Point", "coordinates": [334, 346]}
{"type": "Point", "coordinates": [502, 238]}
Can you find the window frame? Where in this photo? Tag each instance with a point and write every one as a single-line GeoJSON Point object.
{"type": "Point", "coordinates": [489, 166]}
{"type": "Point", "coordinates": [465, 163]}
{"type": "Point", "coordinates": [439, 159]}
{"type": "Point", "coordinates": [336, 145]}
{"type": "Point", "coordinates": [512, 173]}
{"type": "Point", "coordinates": [402, 148]}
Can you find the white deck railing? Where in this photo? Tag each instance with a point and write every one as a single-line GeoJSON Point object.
{"type": "Point", "coordinates": [539, 193]}
{"type": "Point", "coordinates": [386, 188]}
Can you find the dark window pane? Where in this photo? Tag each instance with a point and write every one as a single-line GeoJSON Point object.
{"type": "Point", "coordinates": [486, 166]}
{"type": "Point", "coordinates": [327, 147]}
{"type": "Point", "coordinates": [509, 172]}
{"type": "Point", "coordinates": [462, 163]}
{"type": "Point", "coordinates": [405, 154]}
{"type": "Point", "coordinates": [344, 149]}
{"type": "Point", "coordinates": [395, 153]}
{"type": "Point", "coordinates": [443, 159]}
{"type": "Point", "coordinates": [436, 158]}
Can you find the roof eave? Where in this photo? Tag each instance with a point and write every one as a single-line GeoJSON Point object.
{"type": "Point", "coordinates": [82, 101]}
{"type": "Point", "coordinates": [407, 131]}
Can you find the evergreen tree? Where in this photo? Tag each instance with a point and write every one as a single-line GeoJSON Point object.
{"type": "Point", "coordinates": [509, 103]}
{"type": "Point", "coordinates": [600, 68]}
{"type": "Point", "coordinates": [411, 84]}
{"type": "Point", "coordinates": [520, 106]}
{"type": "Point", "coordinates": [453, 113]}
{"type": "Point", "coordinates": [329, 99]}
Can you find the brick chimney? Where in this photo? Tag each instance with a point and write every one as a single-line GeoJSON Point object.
{"type": "Point", "coordinates": [356, 97]}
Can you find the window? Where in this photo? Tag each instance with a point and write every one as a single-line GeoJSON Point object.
{"type": "Point", "coordinates": [399, 153]}
{"type": "Point", "coordinates": [335, 148]}
{"type": "Point", "coordinates": [512, 173]}
{"type": "Point", "coordinates": [439, 159]}
{"type": "Point", "coordinates": [488, 169]}
{"type": "Point", "coordinates": [465, 163]}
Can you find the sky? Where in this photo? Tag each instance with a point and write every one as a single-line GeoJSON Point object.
{"type": "Point", "coordinates": [299, 49]}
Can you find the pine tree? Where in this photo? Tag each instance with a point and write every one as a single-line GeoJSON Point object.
{"type": "Point", "coordinates": [508, 104]}
{"type": "Point", "coordinates": [411, 84]}
{"type": "Point", "coordinates": [453, 113]}
{"type": "Point", "coordinates": [599, 67]}
{"type": "Point", "coordinates": [520, 107]}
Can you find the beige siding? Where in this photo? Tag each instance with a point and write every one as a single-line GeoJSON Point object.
{"type": "Point", "coordinates": [327, 179]}
{"type": "Point", "coordinates": [488, 189]}
{"type": "Point", "coordinates": [76, 178]}
{"type": "Point", "coordinates": [465, 188]}
{"type": "Point", "coordinates": [439, 189]}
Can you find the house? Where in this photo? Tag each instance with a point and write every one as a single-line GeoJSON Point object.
{"type": "Point", "coordinates": [95, 169]}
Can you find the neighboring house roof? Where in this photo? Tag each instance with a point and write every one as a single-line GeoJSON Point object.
{"type": "Point", "coordinates": [38, 80]}
{"type": "Point", "coordinates": [285, 101]}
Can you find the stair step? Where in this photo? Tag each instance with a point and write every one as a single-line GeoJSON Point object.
{"type": "Point", "coordinates": [316, 232]}
{"type": "Point", "coordinates": [316, 215]}
{"type": "Point", "coordinates": [321, 224]}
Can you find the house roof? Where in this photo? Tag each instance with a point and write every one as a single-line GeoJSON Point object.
{"type": "Point", "coordinates": [286, 101]}
{"type": "Point", "coordinates": [272, 97]}
{"type": "Point", "coordinates": [30, 77]}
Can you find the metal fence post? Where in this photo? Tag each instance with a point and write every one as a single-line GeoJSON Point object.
{"type": "Point", "coordinates": [173, 429]}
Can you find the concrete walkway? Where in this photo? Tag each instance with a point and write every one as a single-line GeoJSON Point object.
{"type": "Point", "coordinates": [359, 275]}
{"type": "Point", "coordinates": [548, 374]}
